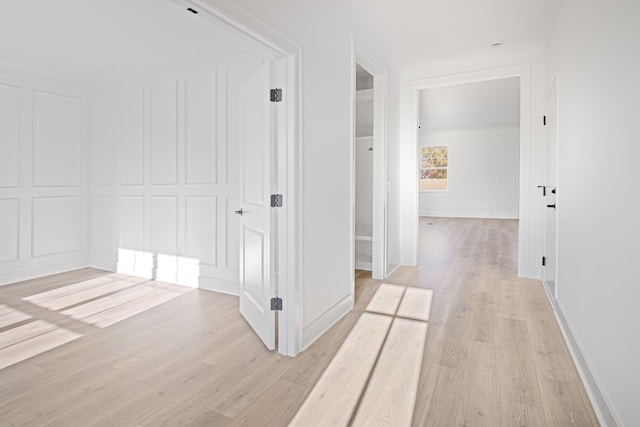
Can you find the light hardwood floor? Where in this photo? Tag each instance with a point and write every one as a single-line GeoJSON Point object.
{"type": "Point", "coordinates": [494, 355]}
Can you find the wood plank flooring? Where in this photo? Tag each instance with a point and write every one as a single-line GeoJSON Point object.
{"type": "Point", "coordinates": [493, 355]}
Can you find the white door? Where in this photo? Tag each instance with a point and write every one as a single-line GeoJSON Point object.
{"type": "Point", "coordinates": [255, 139]}
{"type": "Point", "coordinates": [549, 269]}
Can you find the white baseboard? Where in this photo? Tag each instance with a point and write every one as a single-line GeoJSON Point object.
{"type": "Point", "coordinates": [75, 263]}
{"type": "Point", "coordinates": [325, 321]}
{"type": "Point", "coordinates": [530, 273]}
{"type": "Point", "coordinates": [103, 264]}
{"type": "Point", "coordinates": [208, 283]}
{"type": "Point", "coordinates": [601, 404]}
{"type": "Point", "coordinates": [479, 215]}
{"type": "Point", "coordinates": [391, 270]}
{"type": "Point", "coordinates": [408, 261]}
{"type": "Point", "coordinates": [166, 270]}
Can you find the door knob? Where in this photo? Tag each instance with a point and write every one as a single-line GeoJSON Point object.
{"type": "Point", "coordinates": [239, 212]}
{"type": "Point", "coordinates": [551, 206]}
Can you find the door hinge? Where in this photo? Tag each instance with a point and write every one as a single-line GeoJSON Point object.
{"type": "Point", "coordinates": [276, 304]}
{"type": "Point", "coordinates": [544, 120]}
{"type": "Point", "coordinates": [276, 200]}
{"type": "Point", "coordinates": [544, 261]}
{"type": "Point", "coordinates": [276, 95]}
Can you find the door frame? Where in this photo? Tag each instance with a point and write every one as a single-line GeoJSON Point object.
{"type": "Point", "coordinates": [367, 60]}
{"type": "Point", "coordinates": [523, 71]}
{"type": "Point", "coordinates": [553, 88]}
{"type": "Point", "coordinates": [287, 55]}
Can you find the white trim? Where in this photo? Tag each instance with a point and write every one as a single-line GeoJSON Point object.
{"type": "Point", "coordinates": [33, 272]}
{"type": "Point", "coordinates": [325, 321]}
{"type": "Point", "coordinates": [289, 233]}
{"type": "Point", "coordinates": [524, 72]}
{"type": "Point", "coordinates": [600, 402]}
{"type": "Point", "coordinates": [483, 215]}
{"type": "Point", "coordinates": [553, 87]}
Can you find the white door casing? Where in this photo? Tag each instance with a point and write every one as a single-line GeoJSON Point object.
{"type": "Point", "coordinates": [550, 215]}
{"type": "Point", "coordinates": [255, 141]}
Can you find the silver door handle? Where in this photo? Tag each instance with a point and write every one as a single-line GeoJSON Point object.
{"type": "Point", "coordinates": [240, 212]}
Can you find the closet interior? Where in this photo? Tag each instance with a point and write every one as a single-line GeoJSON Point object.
{"type": "Point", "coordinates": [364, 170]}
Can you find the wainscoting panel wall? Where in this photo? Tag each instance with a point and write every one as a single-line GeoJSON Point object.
{"type": "Point", "coordinates": [132, 138]}
{"type": "Point", "coordinates": [57, 160]}
{"type": "Point", "coordinates": [43, 191]}
{"type": "Point", "coordinates": [9, 135]}
{"type": "Point", "coordinates": [174, 181]}
{"type": "Point", "coordinates": [9, 226]}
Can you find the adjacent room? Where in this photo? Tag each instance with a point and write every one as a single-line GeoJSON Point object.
{"type": "Point", "coordinates": [469, 140]}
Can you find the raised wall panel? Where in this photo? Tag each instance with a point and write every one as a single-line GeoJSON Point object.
{"type": "Point", "coordinates": [132, 138]}
{"type": "Point", "coordinates": [164, 225]}
{"type": "Point", "coordinates": [103, 223]}
{"type": "Point", "coordinates": [57, 225]}
{"type": "Point", "coordinates": [201, 220]}
{"type": "Point", "coordinates": [9, 135]}
{"type": "Point", "coordinates": [200, 132]}
{"type": "Point", "coordinates": [131, 223]}
{"type": "Point", "coordinates": [103, 135]}
{"type": "Point", "coordinates": [164, 136]}
{"type": "Point", "coordinates": [9, 230]}
{"type": "Point", "coordinates": [56, 140]}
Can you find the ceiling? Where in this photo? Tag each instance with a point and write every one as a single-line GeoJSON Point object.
{"type": "Point", "coordinates": [415, 31]}
{"type": "Point", "coordinates": [84, 37]}
{"type": "Point", "coordinates": [472, 105]}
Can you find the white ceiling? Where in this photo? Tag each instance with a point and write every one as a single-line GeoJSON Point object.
{"type": "Point", "coordinates": [84, 37]}
{"type": "Point", "coordinates": [415, 31]}
{"type": "Point", "coordinates": [489, 103]}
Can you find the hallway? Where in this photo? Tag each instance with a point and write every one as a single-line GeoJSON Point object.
{"type": "Point", "coordinates": [493, 356]}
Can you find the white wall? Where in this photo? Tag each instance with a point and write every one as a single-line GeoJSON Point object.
{"type": "Point", "coordinates": [42, 184]}
{"type": "Point", "coordinates": [594, 50]}
{"type": "Point", "coordinates": [482, 175]}
{"type": "Point", "coordinates": [164, 164]}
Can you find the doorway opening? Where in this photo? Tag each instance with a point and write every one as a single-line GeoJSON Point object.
{"type": "Point", "coordinates": [275, 292]}
{"type": "Point", "coordinates": [364, 170]}
{"type": "Point", "coordinates": [469, 141]}
{"type": "Point", "coordinates": [369, 173]}
{"type": "Point", "coordinates": [468, 150]}
{"type": "Point", "coordinates": [443, 167]}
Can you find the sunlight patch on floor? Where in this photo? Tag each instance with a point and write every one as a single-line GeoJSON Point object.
{"type": "Point", "coordinates": [30, 339]}
{"type": "Point", "coordinates": [9, 316]}
{"type": "Point", "coordinates": [373, 378]}
{"type": "Point", "coordinates": [107, 300]}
